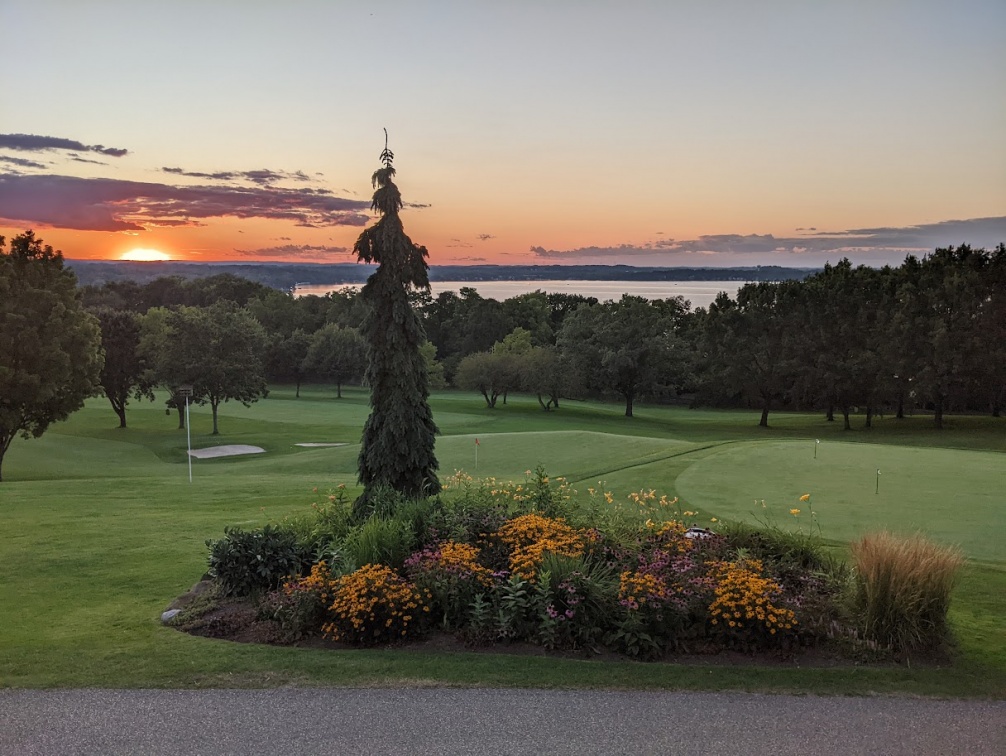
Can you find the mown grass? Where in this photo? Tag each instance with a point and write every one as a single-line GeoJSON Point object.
{"type": "Point", "coordinates": [101, 529]}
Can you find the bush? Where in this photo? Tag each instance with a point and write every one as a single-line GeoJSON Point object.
{"type": "Point", "coordinates": [903, 588]}
{"type": "Point", "coordinates": [324, 528]}
{"type": "Point", "coordinates": [531, 536]}
{"type": "Point", "coordinates": [298, 608]}
{"type": "Point", "coordinates": [451, 573]}
{"type": "Point", "coordinates": [747, 611]}
{"type": "Point", "coordinates": [375, 605]}
{"type": "Point", "coordinates": [247, 563]}
{"type": "Point", "coordinates": [775, 545]}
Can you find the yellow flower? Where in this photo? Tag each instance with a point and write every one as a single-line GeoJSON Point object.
{"type": "Point", "coordinates": [713, 520]}
{"type": "Point", "coordinates": [805, 497]}
{"type": "Point", "coordinates": [794, 512]}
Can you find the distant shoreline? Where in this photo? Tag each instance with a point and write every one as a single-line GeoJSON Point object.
{"type": "Point", "coordinates": [286, 276]}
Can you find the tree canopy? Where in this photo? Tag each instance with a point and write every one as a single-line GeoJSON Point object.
{"type": "Point", "coordinates": [124, 372]}
{"type": "Point", "coordinates": [50, 349]}
{"type": "Point", "coordinates": [217, 350]}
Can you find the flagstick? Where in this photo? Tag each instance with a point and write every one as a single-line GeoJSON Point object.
{"type": "Point", "coordinates": [878, 483]}
{"type": "Point", "coordinates": [476, 455]}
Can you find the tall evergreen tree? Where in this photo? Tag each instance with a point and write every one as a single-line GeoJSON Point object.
{"type": "Point", "coordinates": [399, 436]}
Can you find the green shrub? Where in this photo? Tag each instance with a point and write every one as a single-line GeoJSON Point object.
{"type": "Point", "coordinates": [323, 529]}
{"type": "Point", "coordinates": [246, 563]}
{"type": "Point", "coordinates": [903, 588]}
{"type": "Point", "coordinates": [299, 607]}
{"type": "Point", "coordinates": [380, 501]}
{"type": "Point", "coordinates": [775, 545]}
{"type": "Point", "coordinates": [379, 541]}
{"type": "Point", "coordinates": [579, 599]}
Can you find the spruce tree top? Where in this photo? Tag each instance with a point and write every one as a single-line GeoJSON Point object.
{"type": "Point", "coordinates": [386, 242]}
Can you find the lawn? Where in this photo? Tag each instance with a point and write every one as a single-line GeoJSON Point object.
{"type": "Point", "coordinates": [101, 530]}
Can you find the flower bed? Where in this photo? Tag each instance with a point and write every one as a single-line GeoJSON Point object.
{"type": "Point", "coordinates": [496, 563]}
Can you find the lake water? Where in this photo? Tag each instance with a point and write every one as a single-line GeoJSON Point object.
{"type": "Point", "coordinates": [699, 293]}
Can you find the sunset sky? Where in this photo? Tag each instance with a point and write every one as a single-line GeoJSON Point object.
{"type": "Point", "coordinates": [643, 133]}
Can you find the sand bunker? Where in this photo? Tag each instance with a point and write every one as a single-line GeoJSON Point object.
{"type": "Point", "coordinates": [322, 443]}
{"type": "Point", "coordinates": [231, 450]}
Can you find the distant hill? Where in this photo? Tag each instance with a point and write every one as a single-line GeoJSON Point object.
{"type": "Point", "coordinates": [286, 275]}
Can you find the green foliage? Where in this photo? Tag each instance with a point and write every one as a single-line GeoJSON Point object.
{"type": "Point", "coordinates": [380, 541]}
{"type": "Point", "coordinates": [284, 358]}
{"type": "Point", "coordinates": [323, 530]}
{"type": "Point", "coordinates": [50, 358]}
{"type": "Point", "coordinates": [903, 588]}
{"type": "Point", "coordinates": [434, 369]}
{"type": "Point", "coordinates": [248, 563]}
{"type": "Point", "coordinates": [397, 448]}
{"type": "Point", "coordinates": [578, 600]}
{"type": "Point", "coordinates": [517, 612]}
{"type": "Point", "coordinates": [123, 373]}
{"type": "Point", "coordinates": [217, 350]}
{"type": "Point", "coordinates": [628, 347]}
{"type": "Point", "coordinates": [773, 544]}
{"type": "Point", "coordinates": [336, 355]}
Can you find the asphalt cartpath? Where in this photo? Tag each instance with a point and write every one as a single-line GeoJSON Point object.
{"type": "Point", "coordinates": [448, 721]}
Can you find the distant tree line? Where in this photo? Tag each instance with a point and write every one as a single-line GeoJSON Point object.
{"type": "Point", "coordinates": [930, 333]}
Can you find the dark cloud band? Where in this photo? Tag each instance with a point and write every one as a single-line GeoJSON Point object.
{"type": "Point", "coordinates": [885, 244]}
{"type": "Point", "coordinates": [101, 204]}
{"type": "Point", "coordinates": [262, 177]}
{"type": "Point", "coordinates": [36, 143]}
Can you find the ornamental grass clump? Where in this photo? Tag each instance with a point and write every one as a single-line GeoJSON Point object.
{"type": "Point", "coordinates": [375, 605]}
{"type": "Point", "coordinates": [903, 588]}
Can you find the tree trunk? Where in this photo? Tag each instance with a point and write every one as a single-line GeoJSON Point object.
{"type": "Point", "coordinates": [900, 414]}
{"type": "Point", "coordinates": [4, 446]}
{"type": "Point", "coordinates": [542, 403]}
{"type": "Point", "coordinates": [181, 415]}
{"type": "Point", "coordinates": [504, 395]}
{"type": "Point", "coordinates": [830, 417]}
{"type": "Point", "coordinates": [938, 413]}
{"type": "Point", "coordinates": [869, 416]}
{"type": "Point", "coordinates": [338, 390]}
{"type": "Point", "coordinates": [297, 396]}
{"type": "Point", "coordinates": [845, 415]}
{"type": "Point", "coordinates": [214, 405]}
{"type": "Point", "coordinates": [766, 405]}
{"type": "Point", "coordinates": [628, 403]}
{"type": "Point", "coordinates": [485, 395]}
{"type": "Point", "coordinates": [120, 410]}
{"type": "Point", "coordinates": [555, 400]}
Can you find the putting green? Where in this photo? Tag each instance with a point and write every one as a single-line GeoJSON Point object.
{"type": "Point", "coordinates": [953, 496]}
{"type": "Point", "coordinates": [573, 454]}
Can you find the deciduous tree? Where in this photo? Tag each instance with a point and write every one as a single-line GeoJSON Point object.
{"type": "Point", "coordinates": [218, 350]}
{"type": "Point", "coordinates": [337, 355]}
{"type": "Point", "coordinates": [50, 349]}
{"type": "Point", "coordinates": [124, 372]}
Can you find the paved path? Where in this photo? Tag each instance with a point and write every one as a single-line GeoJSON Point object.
{"type": "Point", "coordinates": [447, 721]}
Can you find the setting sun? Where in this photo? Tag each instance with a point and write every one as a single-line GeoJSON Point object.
{"type": "Point", "coordinates": [145, 255]}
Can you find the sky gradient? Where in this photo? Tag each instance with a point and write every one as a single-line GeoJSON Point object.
{"type": "Point", "coordinates": [660, 133]}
